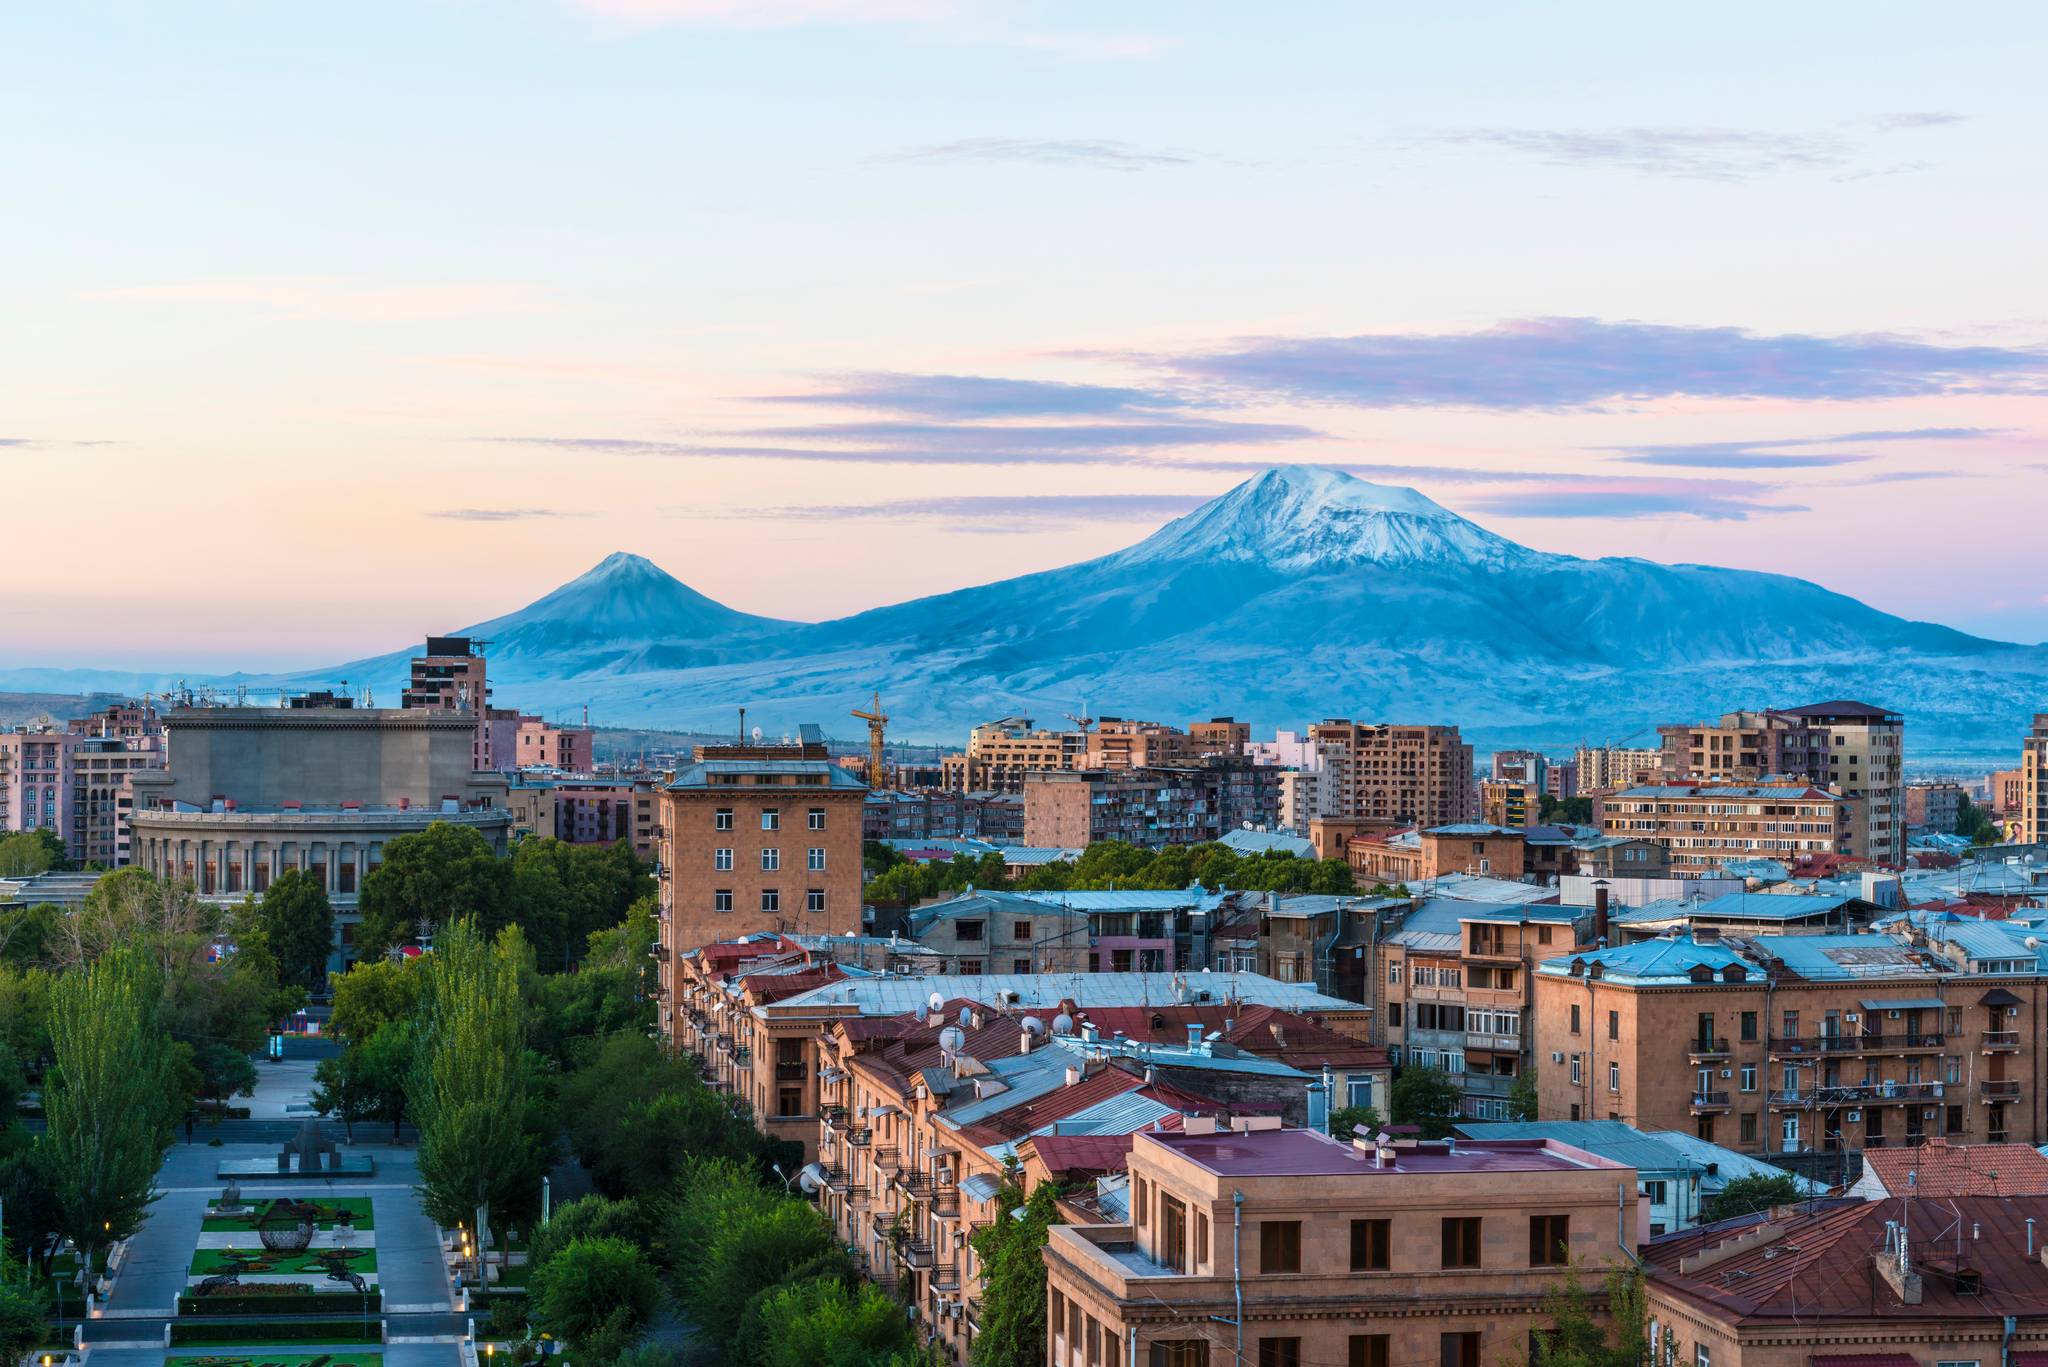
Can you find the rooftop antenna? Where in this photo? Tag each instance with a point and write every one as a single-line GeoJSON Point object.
{"type": "Point", "coordinates": [743, 726]}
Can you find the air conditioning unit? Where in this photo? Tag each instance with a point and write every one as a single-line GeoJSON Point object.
{"type": "Point", "coordinates": [1556, 1057]}
{"type": "Point", "coordinates": [1854, 1116]}
{"type": "Point", "coordinates": [2012, 1013]}
{"type": "Point", "coordinates": [1852, 1017]}
{"type": "Point", "coordinates": [1892, 1015]}
{"type": "Point", "coordinates": [1727, 1072]}
{"type": "Point", "coordinates": [1929, 1114]}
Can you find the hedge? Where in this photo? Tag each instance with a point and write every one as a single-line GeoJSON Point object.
{"type": "Point", "coordinates": [311, 1303]}
{"type": "Point", "coordinates": [288, 1331]}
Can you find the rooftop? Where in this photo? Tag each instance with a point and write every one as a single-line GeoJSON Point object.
{"type": "Point", "coordinates": [821, 773]}
{"type": "Point", "coordinates": [1308, 1153]}
{"type": "Point", "coordinates": [1938, 1170]}
{"type": "Point", "coordinates": [897, 993]}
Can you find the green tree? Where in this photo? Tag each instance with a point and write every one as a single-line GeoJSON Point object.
{"type": "Point", "coordinates": [776, 1240]}
{"type": "Point", "coordinates": [436, 877]}
{"type": "Point", "coordinates": [111, 1101]}
{"type": "Point", "coordinates": [1571, 811]}
{"type": "Point", "coordinates": [563, 893]}
{"type": "Point", "coordinates": [1426, 1098]}
{"type": "Point", "coordinates": [646, 1154]}
{"type": "Point", "coordinates": [25, 1016]}
{"type": "Point", "coordinates": [298, 924]}
{"type": "Point", "coordinates": [823, 1322]}
{"type": "Point", "coordinates": [24, 1310]}
{"type": "Point", "coordinates": [342, 1090]}
{"type": "Point", "coordinates": [24, 854]}
{"type": "Point", "coordinates": [1522, 1103]}
{"type": "Point", "coordinates": [224, 1072]}
{"type": "Point", "coordinates": [374, 993]}
{"type": "Point", "coordinates": [591, 1217]}
{"type": "Point", "coordinates": [1748, 1195]}
{"type": "Point", "coordinates": [1975, 824]}
{"type": "Point", "coordinates": [468, 1090]}
{"type": "Point", "coordinates": [28, 1190]}
{"type": "Point", "coordinates": [1349, 1121]}
{"type": "Point", "coordinates": [1576, 1337]}
{"type": "Point", "coordinates": [582, 1288]}
{"type": "Point", "coordinates": [624, 1070]}
{"type": "Point", "coordinates": [29, 935]}
{"type": "Point", "coordinates": [1012, 1254]}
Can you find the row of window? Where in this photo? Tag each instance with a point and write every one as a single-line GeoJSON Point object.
{"type": "Point", "coordinates": [771, 819]}
{"type": "Point", "coordinates": [771, 859]}
{"type": "Point", "coordinates": [771, 899]}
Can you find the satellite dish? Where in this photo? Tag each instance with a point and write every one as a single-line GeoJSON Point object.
{"type": "Point", "coordinates": [966, 1016]}
{"type": "Point", "coordinates": [1063, 1024]}
{"type": "Point", "coordinates": [757, 735]}
{"type": "Point", "coordinates": [2033, 942]}
{"type": "Point", "coordinates": [1033, 1025]}
{"type": "Point", "coordinates": [810, 1179]}
{"type": "Point", "coordinates": [1247, 825]}
{"type": "Point", "coordinates": [951, 1038]}
{"type": "Point", "coordinates": [937, 1001]}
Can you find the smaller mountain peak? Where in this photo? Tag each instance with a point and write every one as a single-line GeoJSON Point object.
{"type": "Point", "coordinates": [1321, 486]}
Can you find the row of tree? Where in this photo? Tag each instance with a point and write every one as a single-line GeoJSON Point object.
{"type": "Point", "coordinates": [1106, 865]}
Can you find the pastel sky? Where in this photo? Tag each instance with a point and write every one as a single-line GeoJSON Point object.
{"type": "Point", "coordinates": [323, 326]}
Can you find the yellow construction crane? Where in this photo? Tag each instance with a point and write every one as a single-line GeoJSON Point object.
{"type": "Point", "coordinates": [877, 720]}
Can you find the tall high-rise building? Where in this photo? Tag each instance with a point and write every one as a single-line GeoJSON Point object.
{"type": "Point", "coordinates": [2032, 826]}
{"type": "Point", "coordinates": [1397, 774]}
{"type": "Point", "coordinates": [448, 676]}
{"type": "Point", "coordinates": [1000, 753]}
{"type": "Point", "coordinates": [1613, 766]}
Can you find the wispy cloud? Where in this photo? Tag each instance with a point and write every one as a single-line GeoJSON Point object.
{"type": "Point", "coordinates": [1710, 153]}
{"type": "Point", "coordinates": [1567, 363]}
{"type": "Point", "coordinates": [1624, 503]}
{"type": "Point", "coordinates": [1787, 453]}
{"type": "Point", "coordinates": [1000, 512]}
{"type": "Point", "coordinates": [978, 396]}
{"type": "Point", "coordinates": [315, 299]}
{"type": "Point", "coordinates": [1099, 154]}
{"type": "Point", "coordinates": [499, 514]}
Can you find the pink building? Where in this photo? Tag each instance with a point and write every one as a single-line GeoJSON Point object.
{"type": "Point", "coordinates": [36, 780]}
{"type": "Point", "coordinates": [543, 745]}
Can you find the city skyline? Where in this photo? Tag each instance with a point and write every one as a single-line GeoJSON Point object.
{"type": "Point", "coordinates": [864, 284]}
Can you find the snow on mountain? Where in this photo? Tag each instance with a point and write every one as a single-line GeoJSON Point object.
{"type": "Point", "coordinates": [1306, 517]}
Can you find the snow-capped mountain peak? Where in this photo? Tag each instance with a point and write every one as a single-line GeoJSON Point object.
{"type": "Point", "coordinates": [1302, 517]}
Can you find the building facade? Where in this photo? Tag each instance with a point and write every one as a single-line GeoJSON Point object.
{"type": "Point", "coordinates": [1602, 768]}
{"type": "Point", "coordinates": [1703, 825]}
{"type": "Point", "coordinates": [2031, 811]}
{"type": "Point", "coordinates": [1402, 775]}
{"type": "Point", "coordinates": [1000, 753]}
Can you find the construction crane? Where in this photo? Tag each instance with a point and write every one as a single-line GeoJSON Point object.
{"type": "Point", "coordinates": [1084, 722]}
{"type": "Point", "coordinates": [877, 721]}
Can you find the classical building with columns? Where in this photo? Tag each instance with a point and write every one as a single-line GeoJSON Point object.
{"type": "Point", "coordinates": [318, 785]}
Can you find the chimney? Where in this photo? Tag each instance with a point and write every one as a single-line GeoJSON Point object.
{"type": "Point", "coordinates": [1600, 911]}
{"type": "Point", "coordinates": [1074, 1075]}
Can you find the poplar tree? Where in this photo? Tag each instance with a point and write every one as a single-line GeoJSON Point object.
{"type": "Point", "coordinates": [112, 1099]}
{"type": "Point", "coordinates": [468, 1092]}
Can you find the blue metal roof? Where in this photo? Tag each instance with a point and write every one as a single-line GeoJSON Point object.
{"type": "Point", "coordinates": [1653, 961]}
{"type": "Point", "coordinates": [822, 773]}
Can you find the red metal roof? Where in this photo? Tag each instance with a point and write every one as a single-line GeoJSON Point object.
{"type": "Point", "coordinates": [1940, 1169]}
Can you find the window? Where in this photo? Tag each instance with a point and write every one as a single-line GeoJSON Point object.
{"type": "Point", "coordinates": [1575, 1019]}
{"type": "Point", "coordinates": [1614, 1077]}
{"type": "Point", "coordinates": [1173, 1233]}
{"type": "Point", "coordinates": [815, 859]}
{"type": "Point", "coordinates": [1749, 1077]}
{"type": "Point", "coordinates": [1458, 1350]}
{"type": "Point", "coordinates": [1179, 1353]}
{"type": "Point", "coordinates": [1577, 1077]}
{"type": "Point", "coordinates": [1701, 1358]}
{"type": "Point", "coordinates": [721, 859]}
{"type": "Point", "coordinates": [1020, 930]}
{"type": "Point", "coordinates": [771, 900]}
{"type": "Point", "coordinates": [814, 900]}
{"type": "Point", "coordinates": [1279, 1245]}
{"type": "Point", "coordinates": [971, 967]}
{"type": "Point", "coordinates": [815, 818]}
{"type": "Point", "coordinates": [721, 820]}
{"type": "Point", "coordinates": [1542, 938]}
{"type": "Point", "coordinates": [1371, 1245]}
{"type": "Point", "coordinates": [1614, 1025]}
{"type": "Point", "coordinates": [1550, 1240]}
{"type": "Point", "coordinates": [1749, 1025]}
{"type": "Point", "coordinates": [1461, 1241]}
{"type": "Point", "coordinates": [1368, 1350]}
{"type": "Point", "coordinates": [1020, 965]}
{"type": "Point", "coordinates": [1657, 1192]}
{"type": "Point", "coordinates": [1201, 1253]}
{"type": "Point", "coordinates": [721, 900]}
{"type": "Point", "coordinates": [1358, 1091]}
{"type": "Point", "coordinates": [771, 818]}
{"type": "Point", "coordinates": [1280, 1352]}
{"type": "Point", "coordinates": [968, 931]}
{"type": "Point", "coordinates": [1749, 1127]}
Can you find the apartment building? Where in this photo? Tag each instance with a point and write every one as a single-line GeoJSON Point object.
{"type": "Point", "coordinates": [76, 783]}
{"type": "Point", "coordinates": [1901, 1282]}
{"type": "Point", "coordinates": [1799, 1044]}
{"type": "Point", "coordinates": [1527, 767]}
{"type": "Point", "coordinates": [1000, 753]}
{"type": "Point", "coordinates": [752, 840]}
{"type": "Point", "coordinates": [1850, 747]}
{"type": "Point", "coordinates": [448, 675]}
{"type": "Point", "coordinates": [1284, 1247]}
{"type": "Point", "coordinates": [2031, 811]}
{"type": "Point", "coordinates": [1122, 743]}
{"type": "Point", "coordinates": [1401, 775]}
{"type": "Point", "coordinates": [1562, 779]}
{"type": "Point", "coordinates": [1509, 802]}
{"type": "Point", "coordinates": [1602, 768]}
{"type": "Point", "coordinates": [1934, 807]}
{"type": "Point", "coordinates": [1454, 991]}
{"type": "Point", "coordinates": [1703, 825]}
{"type": "Point", "coordinates": [1002, 932]}
{"type": "Point", "coordinates": [1482, 848]}
{"type": "Point", "coordinates": [1221, 736]}
{"type": "Point", "coordinates": [2005, 789]}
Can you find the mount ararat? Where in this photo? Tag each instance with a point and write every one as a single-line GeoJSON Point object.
{"type": "Point", "coordinates": [1300, 594]}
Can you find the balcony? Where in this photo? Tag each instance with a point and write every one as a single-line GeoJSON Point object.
{"type": "Point", "coordinates": [1707, 1103]}
{"type": "Point", "coordinates": [2000, 1041]}
{"type": "Point", "coordinates": [1708, 1050]}
{"type": "Point", "coordinates": [833, 1116]}
{"type": "Point", "coordinates": [743, 1057]}
{"type": "Point", "coordinates": [836, 1178]}
{"type": "Point", "coordinates": [888, 1160]}
{"type": "Point", "coordinates": [946, 1201]}
{"type": "Point", "coordinates": [859, 1139]}
{"type": "Point", "coordinates": [1860, 1094]}
{"type": "Point", "coordinates": [790, 1070]}
{"type": "Point", "coordinates": [1903, 1044]}
{"type": "Point", "coordinates": [945, 1277]}
{"type": "Point", "coordinates": [1498, 1044]}
{"type": "Point", "coordinates": [913, 1183]}
{"type": "Point", "coordinates": [1999, 1089]}
{"type": "Point", "coordinates": [1495, 950]}
{"type": "Point", "coordinates": [1815, 1044]}
{"type": "Point", "coordinates": [918, 1253]}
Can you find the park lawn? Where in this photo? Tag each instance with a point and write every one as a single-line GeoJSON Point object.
{"type": "Point", "coordinates": [207, 1261]}
{"type": "Point", "coordinates": [264, 1357]}
{"type": "Point", "coordinates": [357, 1206]}
{"type": "Point", "coordinates": [65, 1264]}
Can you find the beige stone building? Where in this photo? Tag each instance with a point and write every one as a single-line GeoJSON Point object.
{"type": "Point", "coordinates": [759, 839]}
{"type": "Point", "coordinates": [1702, 825]}
{"type": "Point", "coordinates": [1000, 753]}
{"type": "Point", "coordinates": [1285, 1247]}
{"type": "Point", "coordinates": [1798, 1044]}
{"type": "Point", "coordinates": [1402, 775]}
{"type": "Point", "coordinates": [1121, 743]}
{"type": "Point", "coordinates": [2031, 810]}
{"type": "Point", "coordinates": [1599, 768]}
{"type": "Point", "coordinates": [1416, 856]}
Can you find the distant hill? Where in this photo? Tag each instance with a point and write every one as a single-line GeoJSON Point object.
{"type": "Point", "coordinates": [1299, 594]}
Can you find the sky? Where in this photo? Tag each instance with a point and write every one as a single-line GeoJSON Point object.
{"type": "Point", "coordinates": [326, 326]}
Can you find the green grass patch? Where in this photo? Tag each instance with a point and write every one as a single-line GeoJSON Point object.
{"type": "Point", "coordinates": [317, 1262]}
{"type": "Point", "coordinates": [358, 1208]}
